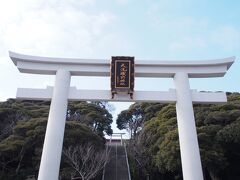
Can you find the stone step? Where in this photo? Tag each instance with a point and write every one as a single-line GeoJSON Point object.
{"type": "Point", "coordinates": [117, 167]}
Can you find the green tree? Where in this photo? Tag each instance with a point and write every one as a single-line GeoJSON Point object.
{"type": "Point", "coordinates": [93, 115]}
{"type": "Point", "coordinates": [21, 152]}
{"type": "Point", "coordinates": [218, 130]}
{"type": "Point", "coordinates": [21, 148]}
{"type": "Point", "coordinates": [131, 119]}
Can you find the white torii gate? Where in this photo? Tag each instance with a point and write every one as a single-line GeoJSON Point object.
{"type": "Point", "coordinates": [116, 135]}
{"type": "Point", "coordinates": [182, 95]}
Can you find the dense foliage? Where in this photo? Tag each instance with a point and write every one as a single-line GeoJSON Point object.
{"type": "Point", "coordinates": [131, 119]}
{"type": "Point", "coordinates": [22, 130]}
{"type": "Point", "coordinates": [155, 151]}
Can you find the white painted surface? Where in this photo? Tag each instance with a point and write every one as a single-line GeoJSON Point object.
{"type": "Point", "coordinates": [101, 67]}
{"type": "Point", "coordinates": [52, 148]}
{"type": "Point", "coordinates": [190, 155]}
{"type": "Point", "coordinates": [105, 95]}
{"type": "Point", "coordinates": [183, 96]}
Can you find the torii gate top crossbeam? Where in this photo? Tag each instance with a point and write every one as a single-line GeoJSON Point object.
{"type": "Point", "coordinates": [101, 67]}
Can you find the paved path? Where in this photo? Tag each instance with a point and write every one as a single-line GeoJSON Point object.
{"type": "Point", "coordinates": [117, 168]}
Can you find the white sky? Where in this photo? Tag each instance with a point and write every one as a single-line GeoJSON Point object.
{"type": "Point", "coordinates": [146, 29]}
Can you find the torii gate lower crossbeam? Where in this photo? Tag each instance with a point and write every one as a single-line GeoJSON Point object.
{"type": "Point", "coordinates": [180, 71]}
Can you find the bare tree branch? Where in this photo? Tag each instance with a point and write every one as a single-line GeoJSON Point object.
{"type": "Point", "coordinates": [85, 160]}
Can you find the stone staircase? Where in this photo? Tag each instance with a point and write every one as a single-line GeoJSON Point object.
{"type": "Point", "coordinates": [117, 168]}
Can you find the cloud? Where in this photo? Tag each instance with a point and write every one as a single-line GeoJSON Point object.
{"type": "Point", "coordinates": [191, 34]}
{"type": "Point", "coordinates": [53, 28]}
{"type": "Point", "coordinates": [220, 39]}
{"type": "Point", "coordinates": [122, 2]}
{"type": "Point", "coordinates": [227, 37]}
{"type": "Point", "coordinates": [5, 61]}
{"type": "Point", "coordinates": [187, 43]}
{"type": "Point", "coordinates": [49, 28]}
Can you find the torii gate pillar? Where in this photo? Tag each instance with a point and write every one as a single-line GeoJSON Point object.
{"type": "Point", "coordinates": [190, 156]}
{"type": "Point", "coordinates": [183, 96]}
{"type": "Point", "coordinates": [52, 149]}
